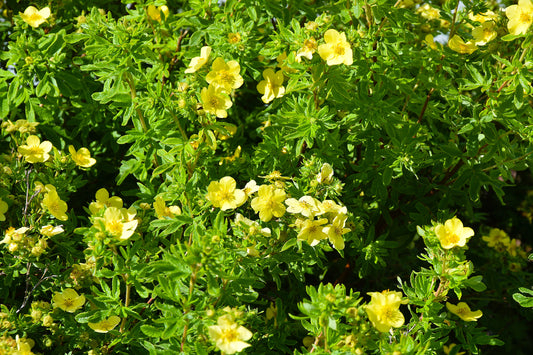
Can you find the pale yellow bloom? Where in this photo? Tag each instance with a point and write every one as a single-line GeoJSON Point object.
{"type": "Point", "coordinates": [250, 188]}
{"type": "Point", "coordinates": [162, 211]}
{"type": "Point", "coordinates": [272, 85]}
{"type": "Point", "coordinates": [428, 12]}
{"type": "Point", "coordinates": [307, 50]}
{"type": "Point", "coordinates": [154, 13]}
{"type": "Point", "coordinates": [384, 310]}
{"type": "Point", "coordinates": [336, 230]}
{"type": "Point", "coordinates": [14, 235]}
{"type": "Point", "coordinates": [484, 17]}
{"type": "Point", "coordinates": [223, 194]}
{"type": "Point", "coordinates": [82, 157]}
{"type": "Point", "coordinates": [457, 44]}
{"type": "Point", "coordinates": [68, 300]}
{"type": "Point", "coordinates": [307, 206]}
{"type": "Point", "coordinates": [215, 101]}
{"type": "Point", "coordinates": [484, 33]}
{"type": "Point", "coordinates": [336, 50]}
{"type": "Point", "coordinates": [22, 126]}
{"type": "Point", "coordinates": [34, 151]}
{"type": "Point", "coordinates": [103, 200]}
{"type": "Point", "coordinates": [452, 233]}
{"type": "Point", "coordinates": [429, 40]}
{"type": "Point", "coordinates": [34, 17]}
{"type": "Point", "coordinates": [24, 346]}
{"type": "Point", "coordinates": [225, 75]}
{"type": "Point", "coordinates": [520, 17]}
{"type": "Point", "coordinates": [105, 325]}
{"type": "Point", "coordinates": [119, 223]}
{"type": "Point", "coordinates": [269, 202]}
{"type": "Point", "coordinates": [50, 231]}
{"type": "Point", "coordinates": [326, 174]}
{"type": "Point", "coordinates": [312, 231]}
{"type": "Point", "coordinates": [198, 62]}
{"type": "Point", "coordinates": [497, 238]}
{"type": "Point", "coordinates": [229, 336]}
{"type": "Point", "coordinates": [54, 205]}
{"type": "Point", "coordinates": [462, 310]}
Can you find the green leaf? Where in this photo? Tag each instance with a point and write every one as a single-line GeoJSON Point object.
{"type": "Point", "coordinates": [151, 331]}
{"type": "Point", "coordinates": [476, 284]}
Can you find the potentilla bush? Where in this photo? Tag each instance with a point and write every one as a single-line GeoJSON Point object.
{"type": "Point", "coordinates": [265, 177]}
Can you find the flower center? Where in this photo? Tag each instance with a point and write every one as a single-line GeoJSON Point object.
{"type": "Point", "coordinates": [115, 227]}
{"type": "Point", "coordinates": [339, 49]}
{"type": "Point", "coordinates": [229, 335]}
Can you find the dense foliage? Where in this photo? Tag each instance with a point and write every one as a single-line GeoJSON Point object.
{"type": "Point", "coordinates": [280, 176]}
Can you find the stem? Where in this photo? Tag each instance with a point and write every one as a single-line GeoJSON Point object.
{"type": "Point", "coordinates": [133, 92]}
{"type": "Point", "coordinates": [452, 30]}
{"type": "Point", "coordinates": [126, 301]}
{"type": "Point", "coordinates": [425, 105]}
{"type": "Point", "coordinates": [508, 161]}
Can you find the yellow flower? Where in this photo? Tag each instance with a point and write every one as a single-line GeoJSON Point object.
{"type": "Point", "coordinates": [384, 310]}
{"type": "Point", "coordinates": [307, 206]}
{"type": "Point", "coordinates": [272, 86]}
{"type": "Point", "coordinates": [68, 300]}
{"type": "Point", "coordinates": [428, 12]}
{"type": "Point", "coordinates": [3, 209]}
{"type": "Point", "coordinates": [307, 50]}
{"type": "Point", "coordinates": [24, 346]}
{"type": "Point", "coordinates": [452, 233]}
{"type": "Point", "coordinates": [225, 75]}
{"type": "Point", "coordinates": [14, 235]}
{"type": "Point", "coordinates": [229, 336]}
{"type": "Point", "coordinates": [215, 101]}
{"type": "Point", "coordinates": [34, 151]}
{"type": "Point", "coordinates": [336, 230]}
{"type": "Point", "coordinates": [336, 50]}
{"type": "Point", "coordinates": [485, 33]}
{"type": "Point", "coordinates": [224, 194]}
{"type": "Point", "coordinates": [447, 349]}
{"type": "Point", "coordinates": [198, 62]}
{"type": "Point", "coordinates": [21, 126]}
{"type": "Point", "coordinates": [312, 231]}
{"type": "Point", "coordinates": [50, 231]}
{"type": "Point", "coordinates": [326, 174]}
{"type": "Point", "coordinates": [154, 13]}
{"type": "Point", "coordinates": [82, 157]}
{"type": "Point", "coordinates": [250, 188]}
{"type": "Point", "coordinates": [103, 200]}
{"type": "Point", "coordinates": [105, 325]}
{"type": "Point", "coordinates": [483, 17]}
{"type": "Point", "coordinates": [234, 37]}
{"type": "Point", "coordinates": [429, 40]}
{"type": "Point", "coordinates": [56, 206]}
{"type": "Point", "coordinates": [462, 310]}
{"type": "Point", "coordinates": [120, 223]}
{"type": "Point", "coordinates": [520, 17]}
{"type": "Point", "coordinates": [269, 202]}
{"type": "Point", "coordinates": [34, 17]}
{"type": "Point", "coordinates": [457, 44]}
{"type": "Point", "coordinates": [162, 211]}
{"type": "Point", "coordinates": [497, 238]}
{"type": "Point", "coordinates": [330, 206]}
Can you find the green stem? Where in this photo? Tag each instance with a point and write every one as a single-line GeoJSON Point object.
{"type": "Point", "coordinates": [126, 300]}
{"type": "Point", "coordinates": [133, 93]}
